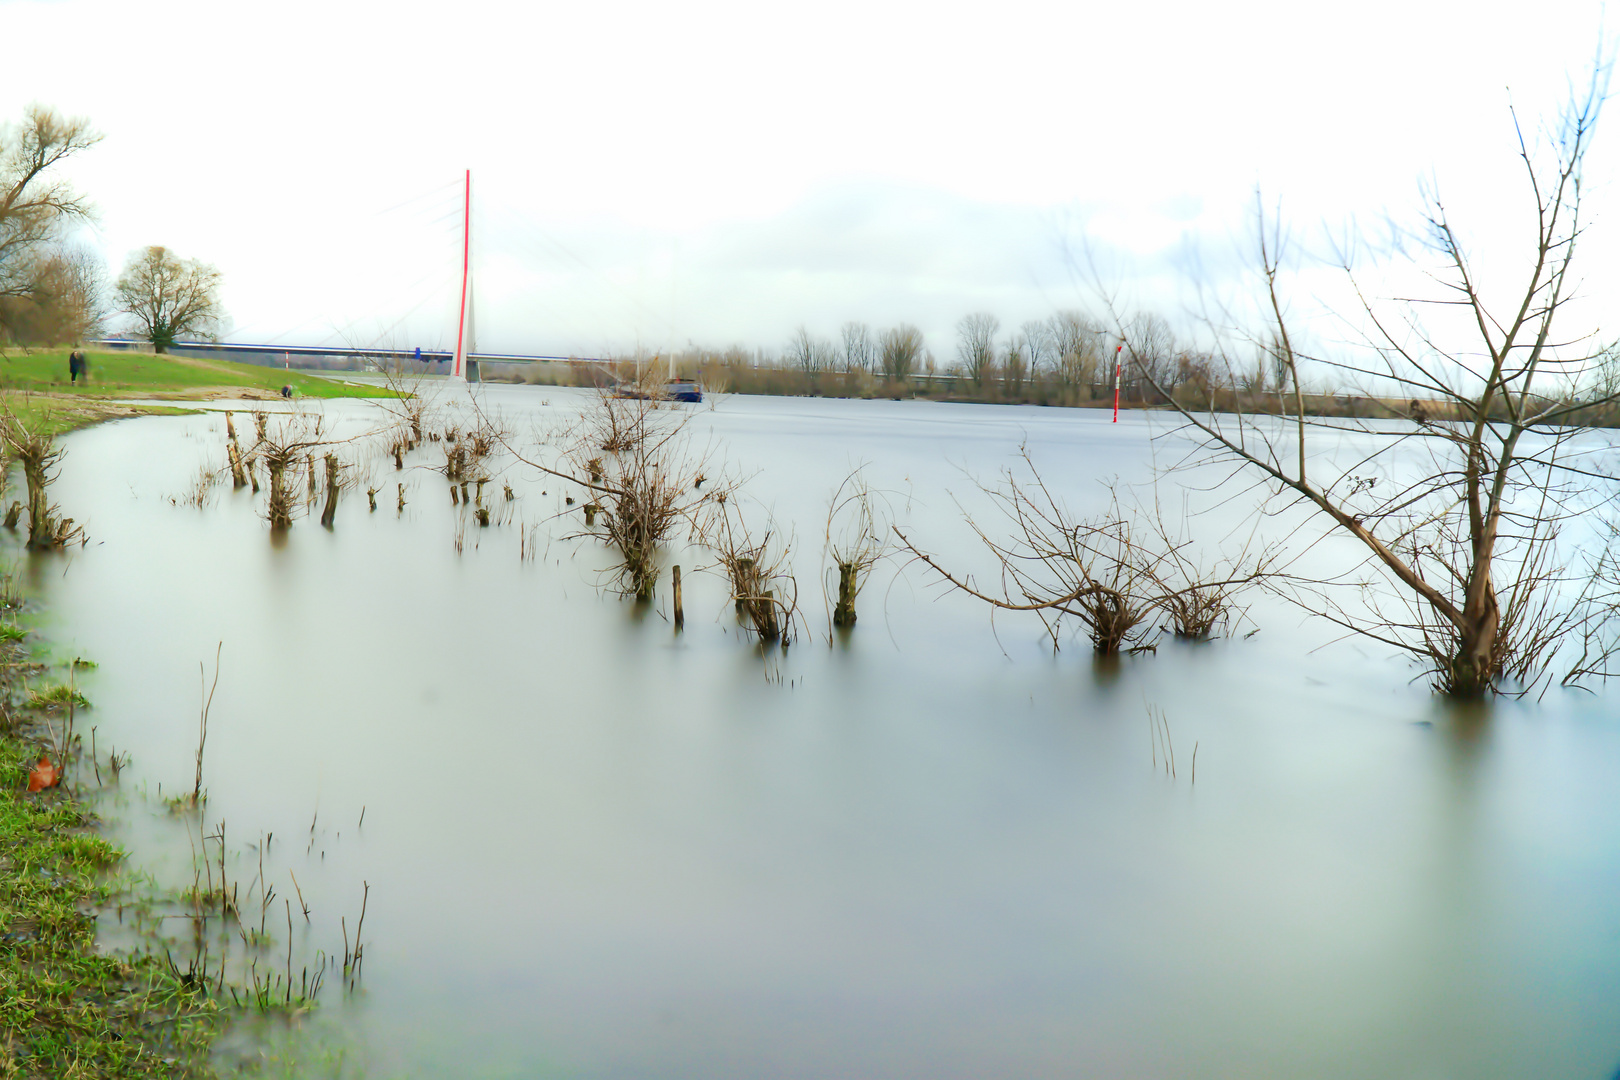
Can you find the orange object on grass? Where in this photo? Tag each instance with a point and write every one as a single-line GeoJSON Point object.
{"type": "Point", "coordinates": [45, 775]}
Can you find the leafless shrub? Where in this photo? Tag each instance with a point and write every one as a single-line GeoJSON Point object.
{"type": "Point", "coordinates": [642, 492]}
{"type": "Point", "coordinates": [281, 447]}
{"type": "Point", "coordinates": [1117, 575]}
{"type": "Point", "coordinates": [757, 566]}
{"type": "Point", "coordinates": [35, 449]}
{"type": "Point", "coordinates": [856, 539]}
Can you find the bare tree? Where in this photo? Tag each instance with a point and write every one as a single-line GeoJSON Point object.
{"type": "Point", "coordinates": [809, 353]}
{"type": "Point", "coordinates": [976, 345]}
{"type": "Point", "coordinates": [859, 348]}
{"type": "Point", "coordinates": [1037, 338]}
{"type": "Point", "coordinates": [1014, 365]}
{"type": "Point", "coordinates": [1464, 513]}
{"type": "Point", "coordinates": [168, 296]}
{"type": "Point", "coordinates": [34, 204]}
{"type": "Point", "coordinates": [66, 303]}
{"type": "Point", "coordinates": [901, 348]}
{"type": "Point", "coordinates": [1077, 347]}
{"type": "Point", "coordinates": [1152, 345]}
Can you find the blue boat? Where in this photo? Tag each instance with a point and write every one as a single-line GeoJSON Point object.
{"type": "Point", "coordinates": [683, 390]}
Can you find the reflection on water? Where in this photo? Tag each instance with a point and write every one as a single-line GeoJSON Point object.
{"type": "Point", "coordinates": [934, 849]}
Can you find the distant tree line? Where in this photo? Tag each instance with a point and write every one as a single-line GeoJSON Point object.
{"type": "Point", "coordinates": [1067, 358]}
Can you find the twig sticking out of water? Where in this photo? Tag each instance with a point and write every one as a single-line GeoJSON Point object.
{"type": "Point", "coordinates": [202, 723]}
{"type": "Point", "coordinates": [1164, 751]}
{"type": "Point", "coordinates": [352, 960]}
{"type": "Point", "coordinates": [300, 893]}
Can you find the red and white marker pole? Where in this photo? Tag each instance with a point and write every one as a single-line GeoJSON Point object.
{"type": "Point", "coordinates": [1117, 363]}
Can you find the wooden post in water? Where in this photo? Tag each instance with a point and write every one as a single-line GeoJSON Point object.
{"type": "Point", "coordinates": [680, 616]}
{"type": "Point", "coordinates": [330, 513]}
{"type": "Point", "coordinates": [590, 515]}
{"type": "Point", "coordinates": [371, 497]}
{"type": "Point", "coordinates": [311, 477]}
{"type": "Point", "coordinates": [402, 498]}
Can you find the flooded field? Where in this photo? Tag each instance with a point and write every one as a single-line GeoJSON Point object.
{"type": "Point", "coordinates": [932, 848]}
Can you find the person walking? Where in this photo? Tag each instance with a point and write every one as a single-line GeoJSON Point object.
{"type": "Point", "coordinates": [75, 365]}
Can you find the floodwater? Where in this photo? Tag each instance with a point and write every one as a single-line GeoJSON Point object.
{"type": "Point", "coordinates": [599, 848]}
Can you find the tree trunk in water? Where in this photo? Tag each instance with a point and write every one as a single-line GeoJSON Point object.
{"type": "Point", "coordinates": [1473, 668]}
{"type": "Point", "coordinates": [40, 532]}
{"type": "Point", "coordinates": [330, 513]}
{"type": "Point", "coordinates": [763, 610]}
{"type": "Point", "coordinates": [744, 585]}
{"type": "Point", "coordinates": [238, 478]}
{"type": "Point", "coordinates": [844, 613]}
{"type": "Point", "coordinates": [281, 498]}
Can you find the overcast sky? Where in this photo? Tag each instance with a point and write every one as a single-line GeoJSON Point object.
{"type": "Point", "coordinates": [670, 173]}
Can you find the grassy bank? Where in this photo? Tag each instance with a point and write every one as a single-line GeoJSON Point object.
{"type": "Point", "coordinates": [70, 1007]}
{"type": "Point", "coordinates": [67, 1009]}
{"type": "Point", "coordinates": [134, 375]}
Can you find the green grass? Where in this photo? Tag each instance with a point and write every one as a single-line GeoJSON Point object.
{"type": "Point", "coordinates": [60, 415]}
{"type": "Point", "coordinates": [67, 1010]}
{"type": "Point", "coordinates": [56, 696]}
{"type": "Point", "coordinates": [121, 374]}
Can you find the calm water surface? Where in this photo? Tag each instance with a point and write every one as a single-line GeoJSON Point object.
{"type": "Point", "coordinates": [597, 848]}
